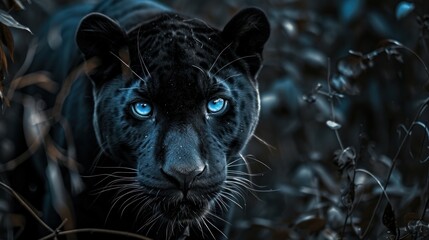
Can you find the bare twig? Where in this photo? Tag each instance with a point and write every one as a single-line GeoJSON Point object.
{"type": "Point", "coordinates": [26, 206]}
{"type": "Point", "coordinates": [94, 230]}
{"type": "Point", "coordinates": [394, 161]}
{"type": "Point", "coordinates": [331, 101]}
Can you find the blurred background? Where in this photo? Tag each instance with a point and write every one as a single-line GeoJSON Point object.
{"type": "Point", "coordinates": [341, 149]}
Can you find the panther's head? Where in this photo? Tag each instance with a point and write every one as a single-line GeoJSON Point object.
{"type": "Point", "coordinates": [176, 101]}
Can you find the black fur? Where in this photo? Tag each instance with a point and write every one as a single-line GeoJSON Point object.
{"type": "Point", "coordinates": [180, 153]}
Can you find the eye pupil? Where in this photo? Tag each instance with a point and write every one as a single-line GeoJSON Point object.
{"type": "Point", "coordinates": [141, 109]}
{"type": "Point", "coordinates": [216, 105]}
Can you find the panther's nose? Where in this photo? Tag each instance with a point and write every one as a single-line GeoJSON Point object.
{"type": "Point", "coordinates": [183, 173]}
{"type": "Point", "coordinates": [182, 162]}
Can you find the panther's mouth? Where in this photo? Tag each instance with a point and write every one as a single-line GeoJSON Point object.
{"type": "Point", "coordinates": [185, 209]}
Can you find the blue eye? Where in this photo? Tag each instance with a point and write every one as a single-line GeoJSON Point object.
{"type": "Point", "coordinates": [141, 110]}
{"type": "Point", "coordinates": [216, 105]}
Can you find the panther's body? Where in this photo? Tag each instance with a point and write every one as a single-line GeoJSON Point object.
{"type": "Point", "coordinates": [161, 117]}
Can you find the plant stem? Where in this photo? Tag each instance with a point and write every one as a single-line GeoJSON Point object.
{"type": "Point", "coordinates": [394, 160]}
{"type": "Point", "coordinates": [26, 206]}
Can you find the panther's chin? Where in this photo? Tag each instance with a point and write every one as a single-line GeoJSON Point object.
{"type": "Point", "coordinates": [185, 210]}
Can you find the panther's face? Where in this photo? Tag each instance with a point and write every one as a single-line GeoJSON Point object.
{"type": "Point", "coordinates": [176, 101]}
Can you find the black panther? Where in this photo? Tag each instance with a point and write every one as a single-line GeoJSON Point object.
{"type": "Point", "coordinates": [159, 119]}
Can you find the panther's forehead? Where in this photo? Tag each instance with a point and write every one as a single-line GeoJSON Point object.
{"type": "Point", "coordinates": [172, 41]}
{"type": "Point", "coordinates": [177, 53]}
{"type": "Point", "coordinates": [172, 22]}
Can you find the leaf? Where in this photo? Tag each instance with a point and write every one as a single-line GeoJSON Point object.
{"type": "Point", "coordinates": [335, 216]}
{"type": "Point", "coordinates": [345, 159]}
{"type": "Point", "coordinates": [7, 39]}
{"type": "Point", "coordinates": [310, 223]}
{"type": "Point", "coordinates": [394, 53]}
{"type": "Point", "coordinates": [9, 21]}
{"type": "Point", "coordinates": [3, 67]}
{"type": "Point", "coordinates": [343, 84]}
{"type": "Point", "coordinates": [348, 195]}
{"type": "Point", "coordinates": [352, 66]}
{"type": "Point", "coordinates": [3, 100]}
{"type": "Point", "coordinates": [333, 125]}
{"type": "Point", "coordinates": [16, 4]}
{"type": "Point", "coordinates": [418, 229]}
{"type": "Point", "coordinates": [309, 98]}
{"type": "Point", "coordinates": [403, 9]}
{"type": "Point", "coordinates": [350, 9]}
{"type": "Point", "coordinates": [3, 62]}
{"type": "Point", "coordinates": [419, 137]}
{"type": "Point", "coordinates": [389, 219]}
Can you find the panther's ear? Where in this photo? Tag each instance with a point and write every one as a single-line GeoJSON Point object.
{"type": "Point", "coordinates": [100, 36]}
{"type": "Point", "coordinates": [248, 31]}
{"type": "Point", "coordinates": [104, 45]}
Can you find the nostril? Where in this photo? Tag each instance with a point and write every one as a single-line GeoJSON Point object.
{"type": "Point", "coordinates": [200, 171]}
{"type": "Point", "coordinates": [170, 178]}
{"type": "Point", "coordinates": [181, 176]}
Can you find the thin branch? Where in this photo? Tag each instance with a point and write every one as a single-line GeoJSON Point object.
{"type": "Point", "coordinates": [331, 101]}
{"type": "Point", "coordinates": [394, 160]}
{"type": "Point", "coordinates": [95, 230]}
{"type": "Point", "coordinates": [26, 206]}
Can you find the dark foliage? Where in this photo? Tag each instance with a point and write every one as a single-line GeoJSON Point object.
{"type": "Point", "coordinates": [6, 41]}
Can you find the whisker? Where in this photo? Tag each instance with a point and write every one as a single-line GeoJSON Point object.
{"type": "Point", "coordinates": [128, 201]}
{"type": "Point", "coordinates": [233, 61]}
{"type": "Point", "coordinates": [264, 142]}
{"type": "Point", "coordinates": [249, 170]}
{"type": "Point", "coordinates": [126, 65]}
{"type": "Point", "coordinates": [137, 198]}
{"type": "Point", "coordinates": [199, 68]}
{"type": "Point", "coordinates": [199, 20]}
{"type": "Point", "coordinates": [98, 157]}
{"type": "Point", "coordinates": [203, 220]}
{"type": "Point", "coordinates": [159, 225]}
{"type": "Point", "coordinates": [117, 199]}
{"type": "Point", "coordinates": [170, 228]}
{"type": "Point", "coordinates": [144, 203]}
{"type": "Point", "coordinates": [251, 187]}
{"type": "Point", "coordinates": [240, 173]}
{"type": "Point", "coordinates": [209, 222]}
{"type": "Point", "coordinates": [245, 181]}
{"type": "Point", "coordinates": [195, 38]}
{"type": "Point", "coordinates": [107, 175]}
{"type": "Point", "coordinates": [118, 167]}
{"type": "Point", "coordinates": [108, 213]}
{"type": "Point", "coordinates": [199, 226]}
{"type": "Point", "coordinates": [128, 88]}
{"type": "Point", "coordinates": [234, 75]}
{"type": "Point", "coordinates": [217, 58]}
{"type": "Point", "coordinates": [236, 192]}
{"type": "Point", "coordinates": [127, 171]}
{"type": "Point", "coordinates": [253, 158]}
{"type": "Point", "coordinates": [106, 189]}
{"type": "Point", "coordinates": [237, 165]}
{"type": "Point", "coordinates": [124, 181]}
{"type": "Point", "coordinates": [140, 56]}
{"type": "Point", "coordinates": [112, 186]}
{"type": "Point", "coordinates": [150, 221]}
{"type": "Point", "coordinates": [234, 161]}
{"type": "Point", "coordinates": [130, 182]}
{"type": "Point", "coordinates": [230, 198]}
{"type": "Point", "coordinates": [222, 204]}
